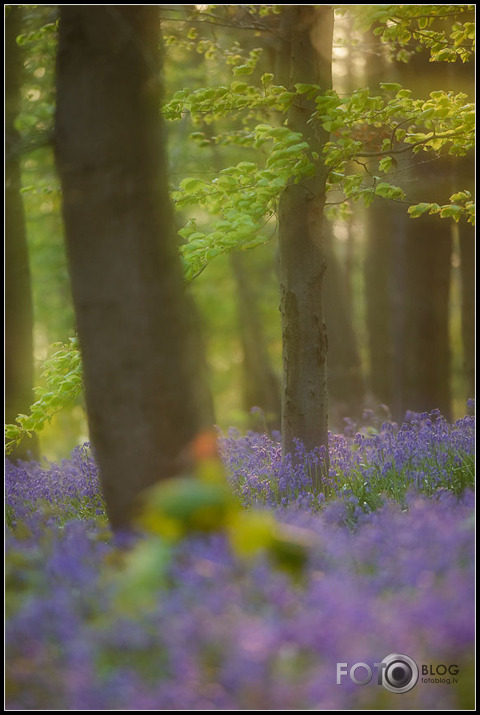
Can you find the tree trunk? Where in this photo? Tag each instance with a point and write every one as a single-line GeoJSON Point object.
{"type": "Point", "coordinates": [428, 249]}
{"type": "Point", "coordinates": [202, 397]}
{"type": "Point", "coordinates": [301, 245]}
{"type": "Point", "coordinates": [344, 373]}
{"type": "Point", "coordinates": [427, 295]}
{"type": "Point", "coordinates": [18, 295]}
{"type": "Point", "coordinates": [408, 273]}
{"type": "Point", "coordinates": [261, 386]}
{"type": "Point", "coordinates": [386, 224]}
{"type": "Point", "coordinates": [385, 228]}
{"type": "Point", "coordinates": [467, 272]}
{"type": "Point", "coordinates": [127, 282]}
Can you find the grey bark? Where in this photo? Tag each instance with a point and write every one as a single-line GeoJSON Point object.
{"type": "Point", "coordinates": [301, 243]}
{"type": "Point", "coordinates": [127, 281]}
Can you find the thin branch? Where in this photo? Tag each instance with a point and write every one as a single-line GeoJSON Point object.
{"type": "Point", "coordinates": [372, 154]}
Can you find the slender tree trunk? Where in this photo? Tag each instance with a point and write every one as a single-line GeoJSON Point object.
{"type": "Point", "coordinates": [301, 244]}
{"type": "Point", "coordinates": [427, 295]}
{"type": "Point", "coordinates": [344, 373]}
{"type": "Point", "coordinates": [386, 225]}
{"type": "Point", "coordinates": [467, 272]}
{"type": "Point", "coordinates": [385, 228]}
{"type": "Point", "coordinates": [197, 364]}
{"type": "Point", "coordinates": [261, 386]}
{"type": "Point", "coordinates": [344, 370]}
{"type": "Point", "coordinates": [408, 275]}
{"type": "Point", "coordinates": [18, 295]}
{"type": "Point", "coordinates": [462, 77]}
{"type": "Point", "coordinates": [127, 282]}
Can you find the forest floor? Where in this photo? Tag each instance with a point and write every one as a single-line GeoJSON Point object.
{"type": "Point", "coordinates": [380, 563]}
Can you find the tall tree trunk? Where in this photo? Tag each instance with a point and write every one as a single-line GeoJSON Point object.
{"type": "Point", "coordinates": [301, 245]}
{"type": "Point", "coordinates": [408, 275]}
{"type": "Point", "coordinates": [261, 386]}
{"type": "Point", "coordinates": [199, 369]}
{"type": "Point", "coordinates": [18, 294]}
{"type": "Point", "coordinates": [427, 295]}
{"type": "Point", "coordinates": [462, 77]}
{"type": "Point", "coordinates": [428, 245]}
{"type": "Point", "coordinates": [346, 387]}
{"type": "Point", "coordinates": [127, 282]}
{"type": "Point", "coordinates": [386, 225]}
{"type": "Point", "coordinates": [467, 272]}
{"type": "Point", "coordinates": [344, 374]}
{"type": "Point", "coordinates": [429, 239]}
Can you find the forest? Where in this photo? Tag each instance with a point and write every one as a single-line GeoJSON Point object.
{"type": "Point", "coordinates": [239, 356]}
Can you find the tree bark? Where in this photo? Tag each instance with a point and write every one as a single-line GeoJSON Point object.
{"type": "Point", "coordinates": [301, 244]}
{"type": "Point", "coordinates": [127, 282]}
{"type": "Point", "coordinates": [18, 294]}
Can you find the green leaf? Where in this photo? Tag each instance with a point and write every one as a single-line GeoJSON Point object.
{"type": "Point", "coordinates": [445, 55]}
{"type": "Point", "coordinates": [12, 432]}
{"type": "Point", "coordinates": [307, 88]}
{"type": "Point", "coordinates": [247, 167]}
{"type": "Point", "coordinates": [419, 209]}
{"type": "Point", "coordinates": [460, 196]}
{"type": "Point", "coordinates": [197, 236]}
{"type": "Point", "coordinates": [243, 70]}
{"type": "Point", "coordinates": [387, 191]}
{"type": "Point", "coordinates": [452, 211]}
{"type": "Point", "coordinates": [239, 87]}
{"type": "Point", "coordinates": [386, 164]}
{"type": "Point", "coordinates": [191, 185]}
{"type": "Point", "coordinates": [390, 86]}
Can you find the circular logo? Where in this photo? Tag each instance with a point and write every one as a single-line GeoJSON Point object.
{"type": "Point", "coordinates": [400, 673]}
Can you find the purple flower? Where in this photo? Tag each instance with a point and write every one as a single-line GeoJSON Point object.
{"type": "Point", "coordinates": [390, 569]}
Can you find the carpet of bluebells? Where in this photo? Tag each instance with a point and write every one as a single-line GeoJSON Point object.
{"type": "Point", "coordinates": [390, 570]}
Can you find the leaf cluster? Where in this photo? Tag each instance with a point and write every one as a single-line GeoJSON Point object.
{"type": "Point", "coordinates": [371, 131]}
{"type": "Point", "coordinates": [242, 196]}
{"type": "Point", "coordinates": [446, 31]}
{"type": "Point", "coordinates": [39, 42]}
{"type": "Point", "coordinates": [62, 378]}
{"type": "Point", "coordinates": [209, 104]}
{"type": "Point", "coordinates": [461, 205]}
